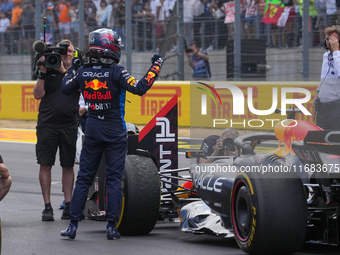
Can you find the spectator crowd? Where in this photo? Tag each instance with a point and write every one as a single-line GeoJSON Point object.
{"type": "Point", "coordinates": [204, 22]}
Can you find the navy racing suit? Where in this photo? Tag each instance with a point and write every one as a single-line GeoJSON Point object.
{"type": "Point", "coordinates": [104, 90]}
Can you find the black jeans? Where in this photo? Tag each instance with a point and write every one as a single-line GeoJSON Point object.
{"type": "Point", "coordinates": [328, 116]}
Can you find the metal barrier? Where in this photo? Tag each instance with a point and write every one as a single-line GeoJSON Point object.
{"type": "Point", "coordinates": [287, 57]}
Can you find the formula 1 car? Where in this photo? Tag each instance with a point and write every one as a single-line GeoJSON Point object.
{"type": "Point", "coordinates": [272, 203]}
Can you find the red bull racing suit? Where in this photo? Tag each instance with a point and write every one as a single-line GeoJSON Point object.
{"type": "Point", "coordinates": [104, 90]}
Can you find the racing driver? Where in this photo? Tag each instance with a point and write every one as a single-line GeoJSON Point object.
{"type": "Point", "coordinates": [104, 83]}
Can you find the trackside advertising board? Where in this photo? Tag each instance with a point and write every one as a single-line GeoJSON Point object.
{"type": "Point", "coordinates": [238, 104]}
{"type": "Point", "coordinates": [255, 105]}
{"type": "Point", "coordinates": [17, 102]}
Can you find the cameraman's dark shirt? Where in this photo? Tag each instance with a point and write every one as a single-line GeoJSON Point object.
{"type": "Point", "coordinates": [56, 109]}
{"type": "Point", "coordinates": [201, 67]}
{"type": "Point", "coordinates": [208, 145]}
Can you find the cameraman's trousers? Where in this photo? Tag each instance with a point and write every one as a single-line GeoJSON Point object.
{"type": "Point", "coordinates": [328, 116]}
{"type": "Point", "coordinates": [101, 137]}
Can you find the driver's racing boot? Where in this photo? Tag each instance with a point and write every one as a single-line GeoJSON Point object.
{"type": "Point", "coordinates": [70, 232]}
{"type": "Point", "coordinates": [111, 232]}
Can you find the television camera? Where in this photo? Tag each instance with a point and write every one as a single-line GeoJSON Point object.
{"type": "Point", "coordinates": [51, 53]}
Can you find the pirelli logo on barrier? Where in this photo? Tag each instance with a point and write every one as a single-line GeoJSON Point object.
{"type": "Point", "coordinates": [157, 97]}
{"type": "Point", "coordinates": [17, 101]}
{"type": "Point", "coordinates": [28, 102]}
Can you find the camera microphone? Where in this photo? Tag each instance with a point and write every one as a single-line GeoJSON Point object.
{"type": "Point", "coordinates": [39, 46]}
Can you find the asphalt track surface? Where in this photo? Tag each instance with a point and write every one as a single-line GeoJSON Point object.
{"type": "Point", "coordinates": [24, 233]}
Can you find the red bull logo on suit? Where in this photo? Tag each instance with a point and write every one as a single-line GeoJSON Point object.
{"type": "Point", "coordinates": [95, 84]}
{"type": "Point", "coordinates": [97, 95]}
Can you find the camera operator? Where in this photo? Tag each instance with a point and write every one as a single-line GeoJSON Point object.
{"type": "Point", "coordinates": [327, 99]}
{"type": "Point", "coordinates": [219, 146]}
{"type": "Point", "coordinates": [199, 62]}
{"type": "Point", "coordinates": [56, 128]}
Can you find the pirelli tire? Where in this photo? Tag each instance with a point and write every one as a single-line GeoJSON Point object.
{"type": "Point", "coordinates": [141, 196]}
{"type": "Point", "coordinates": [269, 215]}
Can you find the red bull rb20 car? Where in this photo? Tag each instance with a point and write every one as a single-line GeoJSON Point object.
{"type": "Point", "coordinates": [272, 203]}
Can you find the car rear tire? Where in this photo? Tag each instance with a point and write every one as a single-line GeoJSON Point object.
{"type": "Point", "coordinates": [269, 215]}
{"type": "Point", "coordinates": [141, 196]}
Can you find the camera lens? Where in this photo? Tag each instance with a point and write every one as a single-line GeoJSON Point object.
{"type": "Point", "coordinates": [52, 60]}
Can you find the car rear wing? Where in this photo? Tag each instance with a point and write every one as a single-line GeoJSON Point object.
{"type": "Point", "coordinates": [328, 137]}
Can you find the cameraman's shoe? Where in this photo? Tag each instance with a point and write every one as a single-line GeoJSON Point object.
{"type": "Point", "coordinates": [70, 232]}
{"type": "Point", "coordinates": [112, 233]}
{"type": "Point", "coordinates": [47, 214]}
